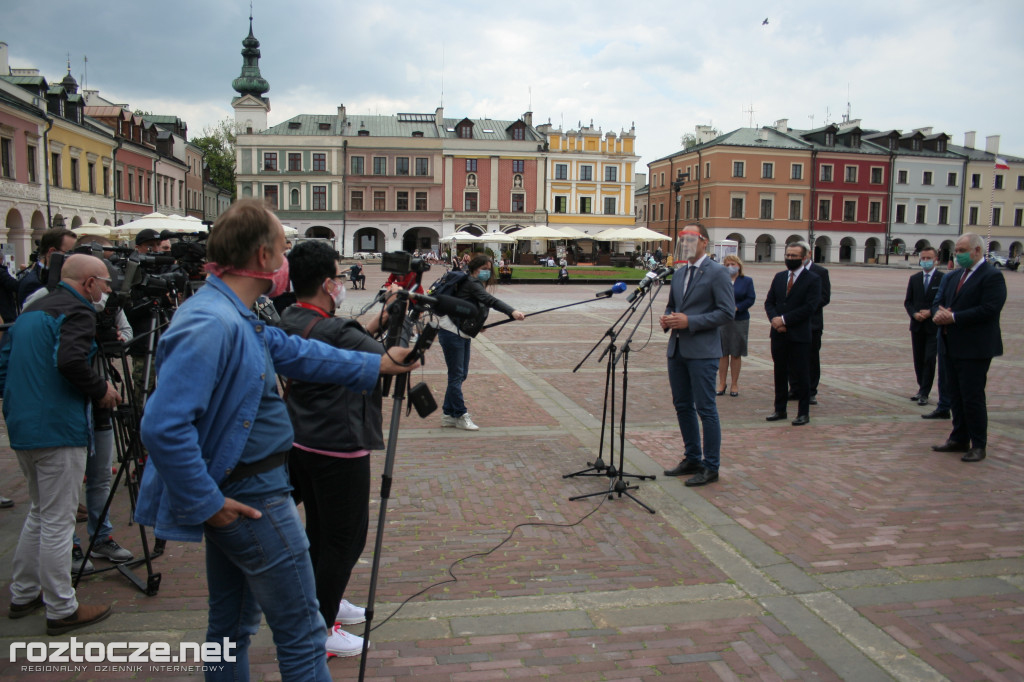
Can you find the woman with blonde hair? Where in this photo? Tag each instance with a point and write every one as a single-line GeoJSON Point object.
{"type": "Point", "coordinates": [734, 333]}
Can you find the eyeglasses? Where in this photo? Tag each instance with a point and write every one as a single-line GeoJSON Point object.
{"type": "Point", "coordinates": [104, 279]}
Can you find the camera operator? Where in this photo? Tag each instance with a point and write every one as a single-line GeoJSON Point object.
{"type": "Point", "coordinates": [335, 430]}
{"type": "Point", "coordinates": [218, 437]}
{"type": "Point", "coordinates": [147, 241]}
{"type": "Point", "coordinates": [57, 240]}
{"type": "Point", "coordinates": [46, 406]}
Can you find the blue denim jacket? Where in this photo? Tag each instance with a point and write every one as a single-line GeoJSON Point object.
{"type": "Point", "coordinates": [210, 377]}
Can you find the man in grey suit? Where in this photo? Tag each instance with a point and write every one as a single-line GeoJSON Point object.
{"type": "Point", "coordinates": [701, 301]}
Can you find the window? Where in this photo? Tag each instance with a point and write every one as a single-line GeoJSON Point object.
{"type": "Point", "coordinates": [851, 174]}
{"type": "Point", "coordinates": [518, 203]}
{"type": "Point", "coordinates": [707, 169]}
{"type": "Point", "coordinates": [270, 161]}
{"type": "Point", "coordinates": [295, 197]}
{"type": "Point", "coordinates": [380, 165]}
{"type": "Point", "coordinates": [877, 175]}
{"type": "Point", "coordinates": [319, 197]}
{"type": "Point", "coordinates": [91, 168]}
{"type": "Point", "coordinates": [1020, 180]}
{"type": "Point", "coordinates": [687, 209]}
{"type": "Point", "coordinates": [943, 215]}
{"type": "Point", "coordinates": [997, 216]}
{"type": "Point", "coordinates": [106, 182]}
{"type": "Point", "coordinates": [560, 204]}
{"type": "Point", "coordinates": [119, 185]}
{"type": "Point", "coordinates": [921, 214]}
{"type": "Point", "coordinates": [6, 157]}
{"type": "Point", "coordinates": [421, 201]}
{"type": "Point", "coordinates": [32, 164]}
{"type": "Point", "coordinates": [609, 205]}
{"type": "Point", "coordinates": [131, 186]}
{"type": "Point", "coordinates": [830, 139]}
{"type": "Point", "coordinates": [849, 211]}
{"type": "Point", "coordinates": [356, 202]}
{"type": "Point", "coordinates": [796, 209]}
{"type": "Point", "coordinates": [465, 132]}
{"type": "Point", "coordinates": [999, 182]}
{"type": "Point", "coordinates": [1018, 217]}
{"type": "Point", "coordinates": [926, 178]}
{"type": "Point", "coordinates": [55, 166]}
{"type": "Point", "coordinates": [402, 165]}
{"type": "Point", "coordinates": [824, 209]}
{"type": "Point", "coordinates": [270, 195]}
{"type": "Point", "coordinates": [294, 161]}
{"type": "Point", "coordinates": [736, 210]}
{"type": "Point", "coordinates": [357, 165]}
{"type": "Point", "coordinates": [586, 173]}
{"type": "Point", "coordinates": [766, 209]}
{"type": "Point", "coordinates": [951, 179]}
{"type": "Point", "coordinates": [972, 215]}
{"type": "Point", "coordinates": [737, 169]}
{"type": "Point", "coordinates": [901, 177]}
{"type": "Point", "coordinates": [519, 166]}
{"type": "Point", "coordinates": [561, 171]}
{"type": "Point", "coordinates": [796, 171]}
{"type": "Point", "coordinates": [402, 201]}
{"type": "Point", "coordinates": [422, 167]}
{"type": "Point", "coordinates": [586, 205]}
{"type": "Point", "coordinates": [320, 162]}
{"type": "Point", "coordinates": [975, 180]}
{"type": "Point", "coordinates": [826, 173]}
{"type": "Point", "coordinates": [378, 201]}
{"type": "Point", "coordinates": [471, 165]}
{"type": "Point", "coordinates": [519, 133]}
{"type": "Point", "coordinates": [707, 206]}
{"type": "Point", "coordinates": [875, 212]}
{"type": "Point", "coordinates": [471, 201]}
{"type": "Point", "coordinates": [767, 170]}
{"type": "Point", "coordinates": [611, 174]}
{"type": "Point", "coordinates": [661, 211]}
{"type": "Point", "coordinates": [75, 184]}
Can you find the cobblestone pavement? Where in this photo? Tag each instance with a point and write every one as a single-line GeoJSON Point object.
{"type": "Point", "coordinates": [841, 550]}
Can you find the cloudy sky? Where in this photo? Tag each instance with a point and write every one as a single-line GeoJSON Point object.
{"type": "Point", "coordinates": [663, 66]}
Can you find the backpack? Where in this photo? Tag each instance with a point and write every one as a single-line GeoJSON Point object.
{"type": "Point", "coordinates": [448, 284]}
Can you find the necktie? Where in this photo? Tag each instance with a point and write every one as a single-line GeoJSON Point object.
{"type": "Point", "coordinates": [927, 279]}
{"type": "Point", "coordinates": [688, 278]}
{"type": "Point", "coordinates": [963, 279]}
{"type": "Point", "coordinates": [789, 287]}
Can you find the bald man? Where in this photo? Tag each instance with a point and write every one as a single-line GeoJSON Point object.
{"type": "Point", "coordinates": [46, 406]}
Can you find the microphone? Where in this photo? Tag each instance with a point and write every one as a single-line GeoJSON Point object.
{"type": "Point", "coordinates": [618, 288]}
{"type": "Point", "coordinates": [648, 280]}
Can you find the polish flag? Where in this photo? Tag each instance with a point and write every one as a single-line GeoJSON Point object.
{"type": "Point", "coordinates": [1001, 164]}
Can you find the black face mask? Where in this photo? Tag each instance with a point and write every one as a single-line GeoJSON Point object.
{"type": "Point", "coordinates": [794, 263]}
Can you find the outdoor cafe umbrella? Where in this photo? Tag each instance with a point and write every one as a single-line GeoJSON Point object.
{"type": "Point", "coordinates": [153, 221]}
{"type": "Point", "coordinates": [92, 230]}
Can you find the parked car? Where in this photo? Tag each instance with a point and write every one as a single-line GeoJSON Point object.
{"type": "Point", "coordinates": [997, 260]}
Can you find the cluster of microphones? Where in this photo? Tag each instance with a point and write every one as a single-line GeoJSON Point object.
{"type": "Point", "coordinates": [645, 284]}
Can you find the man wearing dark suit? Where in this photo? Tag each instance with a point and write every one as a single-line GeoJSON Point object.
{"type": "Point", "coordinates": [942, 410]}
{"type": "Point", "coordinates": [793, 297]}
{"type": "Point", "coordinates": [57, 240]}
{"type": "Point", "coordinates": [921, 291]}
{"type": "Point", "coordinates": [817, 326]}
{"type": "Point", "coordinates": [701, 301]}
{"type": "Point", "coordinates": [968, 315]}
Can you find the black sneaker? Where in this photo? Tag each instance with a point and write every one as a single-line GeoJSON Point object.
{"type": "Point", "coordinates": [111, 551]}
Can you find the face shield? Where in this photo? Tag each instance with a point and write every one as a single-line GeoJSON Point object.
{"type": "Point", "coordinates": [688, 245]}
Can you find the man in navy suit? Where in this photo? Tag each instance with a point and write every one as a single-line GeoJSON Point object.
{"type": "Point", "coordinates": [817, 326]}
{"type": "Point", "coordinates": [921, 291]}
{"type": "Point", "coordinates": [794, 295]}
{"type": "Point", "coordinates": [968, 316]}
{"type": "Point", "coordinates": [701, 301]}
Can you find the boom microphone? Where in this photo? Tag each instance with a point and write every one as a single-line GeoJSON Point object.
{"type": "Point", "coordinates": [455, 307]}
{"type": "Point", "coordinates": [618, 288]}
{"type": "Point", "coordinates": [648, 280]}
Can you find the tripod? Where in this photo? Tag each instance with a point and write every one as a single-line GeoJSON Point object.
{"type": "Point", "coordinates": [616, 475]}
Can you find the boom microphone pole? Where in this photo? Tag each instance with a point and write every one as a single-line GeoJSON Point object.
{"type": "Point", "coordinates": [607, 293]}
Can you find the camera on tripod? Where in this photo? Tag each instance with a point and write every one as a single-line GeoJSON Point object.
{"type": "Point", "coordinates": [402, 263]}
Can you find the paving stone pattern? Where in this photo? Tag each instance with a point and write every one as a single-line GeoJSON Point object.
{"type": "Point", "coordinates": [843, 550]}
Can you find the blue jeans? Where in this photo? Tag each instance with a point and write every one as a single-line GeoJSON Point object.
{"type": "Point", "coordinates": [264, 562]}
{"type": "Point", "coordinates": [456, 356]}
{"type": "Point", "coordinates": [693, 394]}
{"type": "Point", "coordinates": [97, 486]}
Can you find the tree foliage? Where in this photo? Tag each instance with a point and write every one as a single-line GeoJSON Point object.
{"type": "Point", "coordinates": [689, 140]}
{"type": "Point", "coordinates": [218, 145]}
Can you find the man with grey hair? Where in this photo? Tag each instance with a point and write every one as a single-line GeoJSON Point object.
{"type": "Point", "coordinates": [968, 317]}
{"type": "Point", "coordinates": [817, 326]}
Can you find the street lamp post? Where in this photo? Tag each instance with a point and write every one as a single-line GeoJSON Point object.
{"type": "Point", "coordinates": [677, 185]}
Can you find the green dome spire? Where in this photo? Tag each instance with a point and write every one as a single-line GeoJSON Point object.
{"type": "Point", "coordinates": [250, 82]}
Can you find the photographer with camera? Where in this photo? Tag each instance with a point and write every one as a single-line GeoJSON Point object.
{"type": "Point", "coordinates": [219, 436]}
{"type": "Point", "coordinates": [57, 240]}
{"type": "Point", "coordinates": [455, 337]}
{"type": "Point", "coordinates": [335, 430]}
{"type": "Point", "coordinates": [48, 384]}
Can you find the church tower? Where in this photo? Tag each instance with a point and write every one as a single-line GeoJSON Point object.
{"type": "Point", "coordinates": [250, 106]}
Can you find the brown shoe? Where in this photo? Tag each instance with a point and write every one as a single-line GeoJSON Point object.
{"type": "Point", "coordinates": [82, 515]}
{"type": "Point", "coordinates": [27, 609]}
{"type": "Point", "coordinates": [85, 615]}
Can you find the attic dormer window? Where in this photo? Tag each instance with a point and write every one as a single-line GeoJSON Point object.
{"type": "Point", "coordinates": [893, 144]}
{"type": "Point", "coordinates": [364, 133]}
{"type": "Point", "coordinates": [465, 131]}
{"type": "Point", "coordinates": [325, 126]}
{"type": "Point", "coordinates": [940, 145]}
{"type": "Point", "coordinates": [830, 139]}
{"type": "Point", "coordinates": [915, 145]}
{"type": "Point", "coordinates": [855, 140]}
{"type": "Point", "coordinates": [294, 125]}
{"type": "Point", "coordinates": [417, 133]}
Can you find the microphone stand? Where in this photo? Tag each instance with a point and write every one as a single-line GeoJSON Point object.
{"type": "Point", "coordinates": [608, 409]}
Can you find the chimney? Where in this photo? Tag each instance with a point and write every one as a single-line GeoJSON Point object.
{"type": "Point", "coordinates": [969, 139]}
{"type": "Point", "coordinates": [341, 113]}
{"type": "Point", "coordinates": [762, 135]}
{"type": "Point", "coordinates": [5, 68]}
{"type": "Point", "coordinates": [782, 125]}
{"type": "Point", "coordinates": [924, 131]}
{"type": "Point", "coordinates": [528, 118]}
{"type": "Point", "coordinates": [439, 116]}
{"type": "Point", "coordinates": [704, 134]}
{"type": "Point", "coordinates": [992, 144]}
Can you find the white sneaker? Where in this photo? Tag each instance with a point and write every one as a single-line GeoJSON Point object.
{"type": "Point", "coordinates": [465, 423]}
{"type": "Point", "coordinates": [349, 614]}
{"type": "Point", "coordinates": [447, 420]}
{"type": "Point", "coordinates": [341, 643]}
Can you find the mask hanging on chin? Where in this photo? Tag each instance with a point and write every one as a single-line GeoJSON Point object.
{"type": "Point", "coordinates": [279, 278]}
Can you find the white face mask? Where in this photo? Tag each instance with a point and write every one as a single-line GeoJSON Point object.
{"type": "Point", "coordinates": [102, 303]}
{"type": "Point", "coordinates": [338, 294]}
